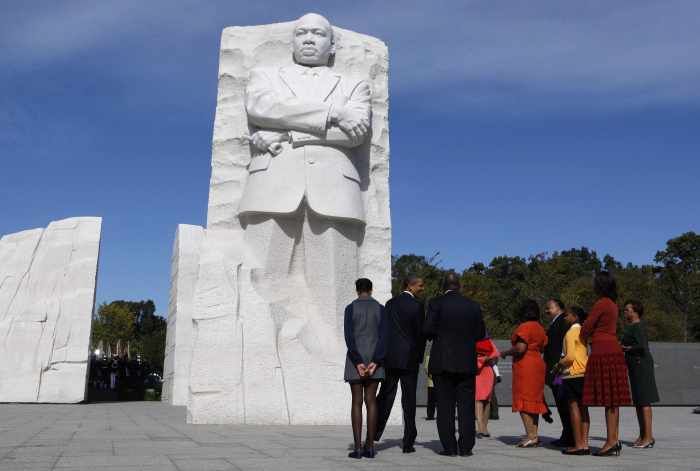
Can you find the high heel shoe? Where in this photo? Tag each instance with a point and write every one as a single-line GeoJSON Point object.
{"type": "Point", "coordinates": [529, 444]}
{"type": "Point", "coordinates": [612, 451]}
{"type": "Point", "coordinates": [645, 445]}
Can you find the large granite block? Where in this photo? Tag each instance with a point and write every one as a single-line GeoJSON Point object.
{"type": "Point", "coordinates": [255, 336]}
{"type": "Point", "coordinates": [178, 343]}
{"type": "Point", "coordinates": [47, 296]}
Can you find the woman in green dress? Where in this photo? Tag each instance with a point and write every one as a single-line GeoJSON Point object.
{"type": "Point", "coordinates": [640, 365]}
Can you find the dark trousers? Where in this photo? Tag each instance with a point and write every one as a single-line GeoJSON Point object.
{"type": "Point", "coordinates": [432, 402]}
{"type": "Point", "coordinates": [560, 399]}
{"type": "Point", "coordinates": [385, 401]}
{"type": "Point", "coordinates": [455, 389]}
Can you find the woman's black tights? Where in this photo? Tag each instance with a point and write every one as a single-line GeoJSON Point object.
{"type": "Point", "coordinates": [369, 390]}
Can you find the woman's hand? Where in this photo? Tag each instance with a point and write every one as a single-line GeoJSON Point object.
{"type": "Point", "coordinates": [371, 369]}
{"type": "Point", "coordinates": [361, 369]}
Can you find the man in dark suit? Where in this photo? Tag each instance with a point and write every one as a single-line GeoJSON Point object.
{"type": "Point", "coordinates": [454, 324]}
{"type": "Point", "coordinates": [552, 354]}
{"type": "Point", "coordinates": [405, 349]}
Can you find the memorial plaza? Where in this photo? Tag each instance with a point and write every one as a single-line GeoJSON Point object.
{"type": "Point", "coordinates": [151, 436]}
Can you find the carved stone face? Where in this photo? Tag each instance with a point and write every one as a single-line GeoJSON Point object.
{"type": "Point", "coordinates": [313, 40]}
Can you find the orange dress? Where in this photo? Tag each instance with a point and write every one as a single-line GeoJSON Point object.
{"type": "Point", "coordinates": [529, 369]}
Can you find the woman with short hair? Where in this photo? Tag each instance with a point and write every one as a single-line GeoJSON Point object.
{"type": "Point", "coordinates": [528, 340]}
{"type": "Point", "coordinates": [572, 368]}
{"type": "Point", "coordinates": [640, 365]}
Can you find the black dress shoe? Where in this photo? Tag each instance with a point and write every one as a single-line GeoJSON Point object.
{"type": "Point", "coordinates": [357, 454]}
{"type": "Point", "coordinates": [369, 453]}
{"type": "Point", "coordinates": [614, 450]}
{"type": "Point", "coordinates": [409, 449]}
{"type": "Point", "coordinates": [465, 453]}
{"type": "Point", "coordinates": [447, 453]}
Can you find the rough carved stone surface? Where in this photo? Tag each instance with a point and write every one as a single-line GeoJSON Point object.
{"type": "Point", "coordinates": [47, 295]}
{"type": "Point", "coordinates": [237, 353]}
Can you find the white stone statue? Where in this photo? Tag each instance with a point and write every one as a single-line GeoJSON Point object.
{"type": "Point", "coordinates": [298, 210]}
{"type": "Point", "coordinates": [302, 207]}
{"type": "Point", "coordinates": [47, 295]}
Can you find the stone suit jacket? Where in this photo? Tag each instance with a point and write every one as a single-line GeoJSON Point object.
{"type": "Point", "coordinates": [318, 162]}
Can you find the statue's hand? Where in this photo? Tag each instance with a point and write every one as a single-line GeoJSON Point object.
{"type": "Point", "coordinates": [269, 141]}
{"type": "Point", "coordinates": [352, 121]}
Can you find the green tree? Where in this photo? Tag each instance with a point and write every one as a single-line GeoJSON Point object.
{"type": "Point", "coordinates": [135, 323]}
{"type": "Point", "coordinates": [426, 268]}
{"type": "Point", "coordinates": [111, 324]}
{"type": "Point", "coordinates": [680, 276]}
{"type": "Point", "coordinates": [669, 290]}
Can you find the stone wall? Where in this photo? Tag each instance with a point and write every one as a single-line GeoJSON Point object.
{"type": "Point", "coordinates": [47, 296]}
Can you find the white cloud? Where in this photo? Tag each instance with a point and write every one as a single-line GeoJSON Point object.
{"type": "Point", "coordinates": [610, 54]}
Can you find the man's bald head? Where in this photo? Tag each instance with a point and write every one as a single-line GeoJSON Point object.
{"type": "Point", "coordinates": [313, 40]}
{"type": "Point", "coordinates": [451, 282]}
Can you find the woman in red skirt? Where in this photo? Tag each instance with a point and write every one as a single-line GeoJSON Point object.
{"type": "Point", "coordinates": [605, 381]}
{"type": "Point", "coordinates": [486, 356]}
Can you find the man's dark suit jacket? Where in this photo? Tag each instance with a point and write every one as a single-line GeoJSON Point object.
{"type": "Point", "coordinates": [454, 323]}
{"type": "Point", "coordinates": [555, 344]}
{"type": "Point", "coordinates": [405, 342]}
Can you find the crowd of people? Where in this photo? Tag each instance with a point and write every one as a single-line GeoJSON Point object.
{"type": "Point", "coordinates": [578, 357]}
{"type": "Point", "coordinates": [120, 377]}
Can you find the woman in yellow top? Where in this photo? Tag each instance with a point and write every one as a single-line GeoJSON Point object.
{"type": "Point", "coordinates": [571, 368]}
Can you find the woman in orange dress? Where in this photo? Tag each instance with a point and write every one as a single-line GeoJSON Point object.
{"type": "Point", "coordinates": [486, 356]}
{"type": "Point", "coordinates": [528, 341]}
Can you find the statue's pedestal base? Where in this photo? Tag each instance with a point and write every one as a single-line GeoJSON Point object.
{"type": "Point", "coordinates": [248, 357]}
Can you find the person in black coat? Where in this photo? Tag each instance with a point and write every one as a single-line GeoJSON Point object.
{"type": "Point", "coordinates": [552, 354]}
{"type": "Point", "coordinates": [454, 324]}
{"type": "Point", "coordinates": [405, 350]}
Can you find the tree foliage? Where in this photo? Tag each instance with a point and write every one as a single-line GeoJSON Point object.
{"type": "Point", "coordinates": [134, 323]}
{"type": "Point", "coordinates": [680, 278]}
{"type": "Point", "coordinates": [113, 324]}
{"type": "Point", "coordinates": [669, 288]}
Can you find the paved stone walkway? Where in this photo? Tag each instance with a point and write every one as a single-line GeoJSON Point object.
{"type": "Point", "coordinates": [154, 437]}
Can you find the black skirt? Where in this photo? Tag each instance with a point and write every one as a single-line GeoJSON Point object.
{"type": "Point", "coordinates": [574, 387]}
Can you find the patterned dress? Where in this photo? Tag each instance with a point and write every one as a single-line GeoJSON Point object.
{"type": "Point", "coordinates": [605, 382]}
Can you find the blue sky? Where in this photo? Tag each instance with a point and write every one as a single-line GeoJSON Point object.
{"type": "Point", "coordinates": [516, 127]}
